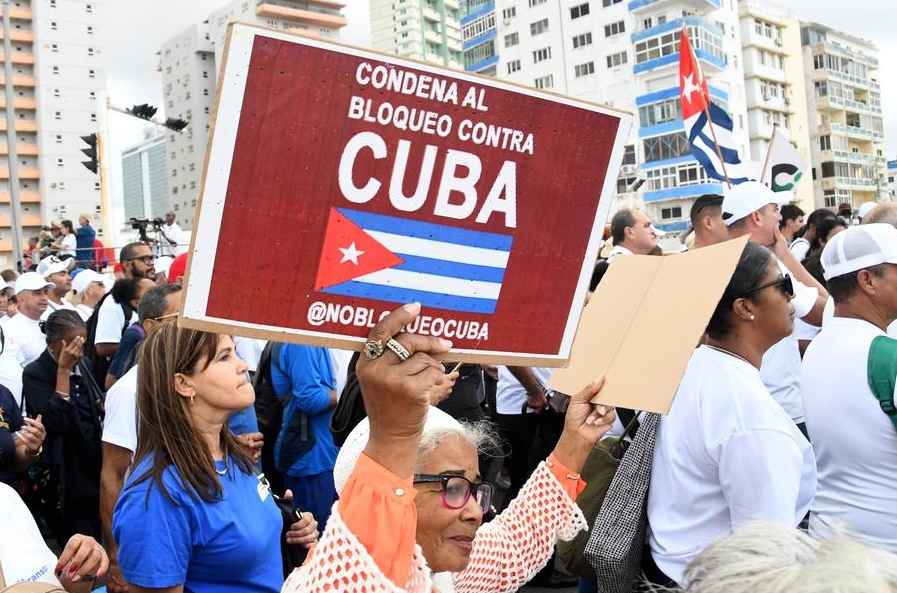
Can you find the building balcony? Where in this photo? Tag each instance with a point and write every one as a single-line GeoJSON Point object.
{"type": "Point", "coordinates": [22, 125]}
{"type": "Point", "coordinates": [19, 35]}
{"type": "Point", "coordinates": [24, 173]}
{"type": "Point", "coordinates": [332, 4]}
{"type": "Point", "coordinates": [455, 45]}
{"type": "Point", "coordinates": [27, 220]}
{"type": "Point", "coordinates": [21, 149]}
{"type": "Point", "coordinates": [433, 37]}
{"type": "Point", "coordinates": [848, 183]}
{"type": "Point", "coordinates": [862, 58]}
{"type": "Point", "coordinates": [25, 197]}
{"type": "Point", "coordinates": [19, 14]}
{"type": "Point", "coordinates": [452, 4]}
{"type": "Point", "coordinates": [432, 15]}
{"type": "Point", "coordinates": [19, 57]}
{"type": "Point", "coordinates": [853, 132]}
{"type": "Point", "coordinates": [20, 103]}
{"type": "Point", "coordinates": [637, 6]}
{"type": "Point", "coordinates": [319, 19]}
{"type": "Point", "coordinates": [18, 80]}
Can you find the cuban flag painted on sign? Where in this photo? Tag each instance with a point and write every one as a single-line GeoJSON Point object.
{"type": "Point", "coordinates": [387, 258]}
{"type": "Point", "coordinates": [696, 106]}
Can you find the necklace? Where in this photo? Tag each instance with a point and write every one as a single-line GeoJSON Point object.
{"type": "Point", "coordinates": [222, 472]}
{"type": "Point", "coordinates": [730, 353]}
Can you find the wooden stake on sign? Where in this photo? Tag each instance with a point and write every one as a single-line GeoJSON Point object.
{"type": "Point", "coordinates": [719, 152]}
{"type": "Point", "coordinates": [772, 139]}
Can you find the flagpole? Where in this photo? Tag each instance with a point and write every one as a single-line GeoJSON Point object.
{"type": "Point", "coordinates": [775, 128]}
{"type": "Point", "coordinates": [719, 152]}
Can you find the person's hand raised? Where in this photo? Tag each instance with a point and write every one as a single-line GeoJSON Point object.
{"type": "Point", "coordinates": [398, 391]}
{"type": "Point", "coordinates": [71, 352]}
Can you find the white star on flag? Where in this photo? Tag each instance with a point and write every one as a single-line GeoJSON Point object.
{"type": "Point", "coordinates": [350, 253]}
{"type": "Point", "coordinates": [689, 87]}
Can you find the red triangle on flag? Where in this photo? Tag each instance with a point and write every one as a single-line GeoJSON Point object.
{"type": "Point", "coordinates": [349, 252]}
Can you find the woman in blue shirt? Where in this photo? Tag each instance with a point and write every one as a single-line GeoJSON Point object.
{"type": "Point", "coordinates": [193, 516]}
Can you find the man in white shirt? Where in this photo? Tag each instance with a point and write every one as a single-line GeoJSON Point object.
{"type": "Point", "coordinates": [632, 232]}
{"type": "Point", "coordinates": [854, 440]}
{"type": "Point", "coordinates": [56, 271]}
{"type": "Point", "coordinates": [170, 235]}
{"type": "Point", "coordinates": [751, 208]}
{"type": "Point", "coordinates": [137, 261]}
{"type": "Point", "coordinates": [23, 331]}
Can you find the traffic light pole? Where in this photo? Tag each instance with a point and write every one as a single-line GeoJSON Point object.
{"type": "Point", "coordinates": [15, 205]}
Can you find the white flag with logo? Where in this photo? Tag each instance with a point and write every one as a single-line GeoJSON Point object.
{"type": "Point", "coordinates": [784, 164]}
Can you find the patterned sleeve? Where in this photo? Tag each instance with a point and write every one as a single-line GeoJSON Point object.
{"type": "Point", "coordinates": [511, 549]}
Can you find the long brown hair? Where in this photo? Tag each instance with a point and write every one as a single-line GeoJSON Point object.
{"type": "Point", "coordinates": [165, 430]}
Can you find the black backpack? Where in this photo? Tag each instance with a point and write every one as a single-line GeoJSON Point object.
{"type": "Point", "coordinates": [99, 365]}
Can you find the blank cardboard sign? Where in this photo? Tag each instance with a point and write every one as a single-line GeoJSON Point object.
{"type": "Point", "coordinates": [643, 322]}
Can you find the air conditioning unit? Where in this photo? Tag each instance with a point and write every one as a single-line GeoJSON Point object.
{"type": "Point", "coordinates": [628, 169]}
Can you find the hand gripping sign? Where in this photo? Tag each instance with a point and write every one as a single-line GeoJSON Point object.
{"type": "Point", "coordinates": [341, 183]}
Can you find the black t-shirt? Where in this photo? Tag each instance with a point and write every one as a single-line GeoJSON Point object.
{"type": "Point", "coordinates": [10, 422]}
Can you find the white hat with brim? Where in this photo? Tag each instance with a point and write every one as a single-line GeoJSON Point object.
{"type": "Point", "coordinates": [32, 281]}
{"type": "Point", "coordinates": [742, 199]}
{"type": "Point", "coordinates": [859, 247]}
{"type": "Point", "coordinates": [52, 264]}
{"type": "Point", "coordinates": [358, 439]}
{"type": "Point", "coordinates": [866, 208]}
{"type": "Point", "coordinates": [84, 279]}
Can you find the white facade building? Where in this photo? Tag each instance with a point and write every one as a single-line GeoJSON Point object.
{"type": "Point", "coordinates": [144, 170]}
{"type": "Point", "coordinates": [59, 69]}
{"type": "Point", "coordinates": [189, 64]}
{"type": "Point", "coordinates": [427, 30]}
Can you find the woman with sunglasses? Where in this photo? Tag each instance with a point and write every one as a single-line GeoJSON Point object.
{"type": "Point", "coordinates": [411, 507]}
{"type": "Point", "coordinates": [727, 453]}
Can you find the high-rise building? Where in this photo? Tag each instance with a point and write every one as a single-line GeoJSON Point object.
{"type": "Point", "coordinates": [846, 126]}
{"type": "Point", "coordinates": [428, 30]}
{"type": "Point", "coordinates": [189, 64]}
{"type": "Point", "coordinates": [144, 171]}
{"type": "Point", "coordinates": [58, 69]}
{"type": "Point", "coordinates": [774, 84]}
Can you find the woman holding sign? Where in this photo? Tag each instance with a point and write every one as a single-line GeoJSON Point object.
{"type": "Point", "coordinates": [727, 453]}
{"type": "Point", "coordinates": [412, 502]}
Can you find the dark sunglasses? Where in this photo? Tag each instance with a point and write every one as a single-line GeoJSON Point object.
{"type": "Point", "coordinates": [146, 259]}
{"type": "Point", "coordinates": [457, 490]}
{"type": "Point", "coordinates": [784, 283]}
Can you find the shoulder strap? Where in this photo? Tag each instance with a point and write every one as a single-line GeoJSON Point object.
{"type": "Point", "coordinates": [882, 374]}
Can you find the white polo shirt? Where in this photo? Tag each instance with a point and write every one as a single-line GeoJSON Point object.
{"type": "Point", "coordinates": [780, 368]}
{"type": "Point", "coordinates": [854, 440]}
{"type": "Point", "coordinates": [726, 454]}
{"type": "Point", "coordinates": [25, 337]}
{"type": "Point", "coordinates": [120, 424]}
{"type": "Point", "coordinates": [111, 322]}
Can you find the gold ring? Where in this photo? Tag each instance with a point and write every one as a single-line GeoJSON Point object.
{"type": "Point", "coordinates": [373, 349]}
{"type": "Point", "coordinates": [398, 349]}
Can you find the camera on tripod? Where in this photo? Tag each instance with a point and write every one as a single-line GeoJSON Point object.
{"type": "Point", "coordinates": [140, 225]}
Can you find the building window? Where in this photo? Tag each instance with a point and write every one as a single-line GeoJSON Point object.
{"type": "Point", "coordinates": [607, 3]}
{"type": "Point", "coordinates": [614, 29]}
{"type": "Point", "coordinates": [205, 92]}
{"type": "Point", "coordinates": [57, 93]}
{"type": "Point", "coordinates": [671, 213]}
{"type": "Point", "coordinates": [670, 146]}
{"type": "Point", "coordinates": [58, 138]}
{"type": "Point", "coordinates": [578, 11]}
{"type": "Point", "coordinates": [53, 25]}
{"type": "Point", "coordinates": [581, 40]}
{"type": "Point", "coordinates": [545, 82]}
{"type": "Point", "coordinates": [509, 13]}
{"type": "Point", "coordinates": [617, 59]}
{"type": "Point", "coordinates": [60, 163]}
{"type": "Point", "coordinates": [91, 73]}
{"type": "Point", "coordinates": [57, 115]}
{"type": "Point", "coordinates": [89, 8]}
{"type": "Point", "coordinates": [54, 48]}
{"type": "Point", "coordinates": [541, 55]}
{"type": "Point", "coordinates": [536, 2]}
{"type": "Point", "coordinates": [538, 27]}
{"type": "Point", "coordinates": [92, 95]}
{"type": "Point", "coordinates": [512, 39]}
{"type": "Point", "coordinates": [55, 69]}
{"type": "Point", "coordinates": [89, 30]}
{"type": "Point", "coordinates": [584, 69]}
{"type": "Point", "coordinates": [52, 3]}
{"type": "Point", "coordinates": [205, 74]}
{"type": "Point", "coordinates": [93, 117]}
{"type": "Point", "coordinates": [513, 66]}
{"type": "Point", "coordinates": [90, 51]}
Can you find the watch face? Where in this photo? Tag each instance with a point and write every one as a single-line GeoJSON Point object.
{"type": "Point", "coordinates": [373, 349]}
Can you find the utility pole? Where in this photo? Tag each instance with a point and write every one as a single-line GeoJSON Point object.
{"type": "Point", "coordinates": [15, 205]}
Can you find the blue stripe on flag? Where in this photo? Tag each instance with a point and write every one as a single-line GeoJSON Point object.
{"type": "Point", "coordinates": [404, 295]}
{"type": "Point", "coordinates": [427, 230]}
{"type": "Point", "coordinates": [439, 267]}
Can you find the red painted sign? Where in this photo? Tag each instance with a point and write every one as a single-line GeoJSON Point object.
{"type": "Point", "coordinates": [341, 183]}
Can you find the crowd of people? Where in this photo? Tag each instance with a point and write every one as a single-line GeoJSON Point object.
{"type": "Point", "coordinates": [140, 451]}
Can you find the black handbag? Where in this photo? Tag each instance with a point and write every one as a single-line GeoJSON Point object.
{"type": "Point", "coordinates": [292, 556]}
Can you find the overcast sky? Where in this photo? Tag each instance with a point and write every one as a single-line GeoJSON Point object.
{"type": "Point", "coordinates": [137, 28]}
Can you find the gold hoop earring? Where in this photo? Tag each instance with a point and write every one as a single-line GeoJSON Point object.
{"type": "Point", "coordinates": [192, 395]}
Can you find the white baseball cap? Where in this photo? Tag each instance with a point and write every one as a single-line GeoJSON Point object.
{"type": "Point", "coordinates": [859, 247]}
{"type": "Point", "coordinates": [32, 281]}
{"type": "Point", "coordinates": [742, 199]}
{"type": "Point", "coordinates": [52, 264]}
{"type": "Point", "coordinates": [866, 208]}
{"type": "Point", "coordinates": [84, 279]}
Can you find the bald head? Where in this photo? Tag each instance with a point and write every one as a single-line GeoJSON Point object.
{"type": "Point", "coordinates": [884, 213]}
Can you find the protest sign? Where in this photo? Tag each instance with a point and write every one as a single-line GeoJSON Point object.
{"type": "Point", "coordinates": [648, 312]}
{"type": "Point", "coordinates": [341, 183]}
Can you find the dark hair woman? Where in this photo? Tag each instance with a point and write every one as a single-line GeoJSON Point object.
{"type": "Point", "coordinates": [193, 516]}
{"type": "Point", "coordinates": [59, 387]}
{"type": "Point", "coordinates": [727, 453]}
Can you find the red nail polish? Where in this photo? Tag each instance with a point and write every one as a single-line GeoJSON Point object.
{"type": "Point", "coordinates": [73, 568]}
{"type": "Point", "coordinates": [58, 570]}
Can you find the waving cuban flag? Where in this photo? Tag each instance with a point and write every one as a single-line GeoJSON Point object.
{"type": "Point", "coordinates": [707, 125]}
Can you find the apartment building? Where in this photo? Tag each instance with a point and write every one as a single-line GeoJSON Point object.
{"type": "Point", "coordinates": [144, 170]}
{"type": "Point", "coordinates": [189, 64]}
{"type": "Point", "coordinates": [427, 30]}
{"type": "Point", "coordinates": [58, 69]}
{"type": "Point", "coordinates": [843, 98]}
